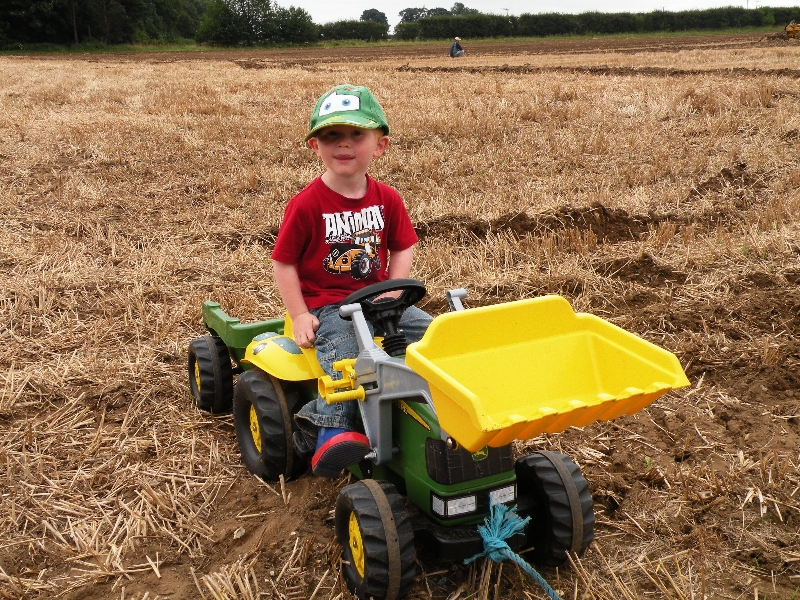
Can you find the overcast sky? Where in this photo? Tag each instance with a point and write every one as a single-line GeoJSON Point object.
{"type": "Point", "coordinates": [325, 11]}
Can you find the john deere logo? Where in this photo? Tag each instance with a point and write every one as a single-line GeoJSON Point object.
{"type": "Point", "coordinates": [481, 454]}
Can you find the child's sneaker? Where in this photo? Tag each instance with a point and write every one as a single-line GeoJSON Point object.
{"type": "Point", "coordinates": [303, 446]}
{"type": "Point", "coordinates": [338, 449]}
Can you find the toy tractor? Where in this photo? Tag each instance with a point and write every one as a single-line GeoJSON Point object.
{"type": "Point", "coordinates": [440, 415]}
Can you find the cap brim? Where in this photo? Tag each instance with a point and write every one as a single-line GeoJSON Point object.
{"type": "Point", "coordinates": [340, 119]}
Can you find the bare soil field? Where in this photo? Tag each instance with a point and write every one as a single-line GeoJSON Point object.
{"type": "Point", "coordinates": [515, 49]}
{"type": "Point", "coordinates": [653, 182]}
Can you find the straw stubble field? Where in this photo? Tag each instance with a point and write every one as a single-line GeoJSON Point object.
{"type": "Point", "coordinates": [654, 185]}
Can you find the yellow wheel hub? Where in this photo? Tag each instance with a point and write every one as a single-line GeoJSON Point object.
{"type": "Point", "coordinates": [356, 545]}
{"type": "Point", "coordinates": [255, 430]}
{"type": "Point", "coordinates": [197, 375]}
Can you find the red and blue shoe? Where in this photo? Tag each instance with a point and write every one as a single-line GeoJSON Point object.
{"type": "Point", "coordinates": [338, 449]}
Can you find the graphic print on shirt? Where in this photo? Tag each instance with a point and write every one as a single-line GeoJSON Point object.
{"type": "Point", "coordinates": [354, 239]}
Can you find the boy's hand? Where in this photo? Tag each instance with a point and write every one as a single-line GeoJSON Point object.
{"type": "Point", "coordinates": [388, 296]}
{"type": "Point", "coordinates": [304, 326]}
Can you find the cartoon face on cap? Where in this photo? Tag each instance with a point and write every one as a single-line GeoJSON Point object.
{"type": "Point", "coordinates": [347, 105]}
{"type": "Point", "coordinates": [339, 103]}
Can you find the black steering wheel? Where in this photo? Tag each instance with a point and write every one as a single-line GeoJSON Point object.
{"type": "Point", "coordinates": [386, 312]}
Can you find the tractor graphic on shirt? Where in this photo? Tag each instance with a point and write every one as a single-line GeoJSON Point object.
{"type": "Point", "coordinates": [357, 257]}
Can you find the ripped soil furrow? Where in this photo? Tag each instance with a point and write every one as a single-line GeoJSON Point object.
{"type": "Point", "coordinates": [528, 69]}
{"type": "Point", "coordinates": [613, 225]}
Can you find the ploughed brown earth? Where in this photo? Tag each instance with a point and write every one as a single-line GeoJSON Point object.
{"type": "Point", "coordinates": [698, 496]}
{"type": "Point", "coordinates": [313, 56]}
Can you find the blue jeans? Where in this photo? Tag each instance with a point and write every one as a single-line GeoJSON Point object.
{"type": "Point", "coordinates": [336, 340]}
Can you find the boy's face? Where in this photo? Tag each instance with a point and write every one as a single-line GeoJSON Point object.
{"type": "Point", "coordinates": [347, 150]}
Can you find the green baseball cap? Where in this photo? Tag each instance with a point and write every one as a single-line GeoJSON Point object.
{"type": "Point", "coordinates": [347, 105]}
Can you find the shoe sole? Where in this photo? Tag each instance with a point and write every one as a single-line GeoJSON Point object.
{"type": "Point", "coordinates": [338, 453]}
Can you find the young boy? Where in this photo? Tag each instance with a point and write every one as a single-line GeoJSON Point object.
{"type": "Point", "coordinates": [342, 232]}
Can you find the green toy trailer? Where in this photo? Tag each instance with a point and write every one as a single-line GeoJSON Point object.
{"type": "Point", "coordinates": [441, 415]}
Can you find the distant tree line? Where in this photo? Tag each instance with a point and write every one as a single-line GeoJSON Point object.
{"type": "Point", "coordinates": [367, 30]}
{"type": "Point", "coordinates": [235, 22]}
{"type": "Point", "coordinates": [224, 22]}
{"type": "Point", "coordinates": [441, 26]}
{"type": "Point", "coordinates": [410, 15]}
{"type": "Point", "coordinates": [107, 21]}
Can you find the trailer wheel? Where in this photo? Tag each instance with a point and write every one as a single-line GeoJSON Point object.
{"type": "Point", "coordinates": [374, 530]}
{"type": "Point", "coordinates": [553, 492]}
{"type": "Point", "coordinates": [263, 415]}
{"type": "Point", "coordinates": [210, 374]}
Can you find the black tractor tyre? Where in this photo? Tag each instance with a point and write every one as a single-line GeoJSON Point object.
{"type": "Point", "coordinates": [553, 492]}
{"type": "Point", "coordinates": [374, 531]}
{"type": "Point", "coordinates": [263, 416]}
{"type": "Point", "coordinates": [361, 265]}
{"type": "Point", "coordinates": [210, 374]}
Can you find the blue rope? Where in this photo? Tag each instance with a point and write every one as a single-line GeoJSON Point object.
{"type": "Point", "coordinates": [501, 524]}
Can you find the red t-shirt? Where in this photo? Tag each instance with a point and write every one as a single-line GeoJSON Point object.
{"type": "Point", "coordinates": [339, 245]}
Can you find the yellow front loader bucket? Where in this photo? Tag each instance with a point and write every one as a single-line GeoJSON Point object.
{"type": "Point", "coordinates": [516, 370]}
